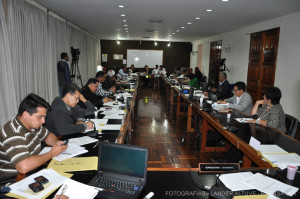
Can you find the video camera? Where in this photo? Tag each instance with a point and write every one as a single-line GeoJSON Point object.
{"type": "Point", "coordinates": [75, 53]}
{"type": "Point", "coordinates": [221, 62]}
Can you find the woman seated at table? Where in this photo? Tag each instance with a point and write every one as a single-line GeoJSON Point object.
{"type": "Point", "coordinates": [270, 114]}
{"type": "Point", "coordinates": [194, 81]}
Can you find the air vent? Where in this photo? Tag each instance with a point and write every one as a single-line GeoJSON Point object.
{"type": "Point", "coordinates": [155, 21]}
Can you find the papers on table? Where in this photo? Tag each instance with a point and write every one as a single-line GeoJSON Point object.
{"type": "Point", "coordinates": [254, 143]}
{"type": "Point", "coordinates": [21, 188]}
{"type": "Point", "coordinates": [114, 117]}
{"type": "Point", "coordinates": [111, 127]}
{"type": "Point", "coordinates": [74, 189]}
{"type": "Point", "coordinates": [117, 112]}
{"type": "Point", "coordinates": [108, 109]}
{"type": "Point", "coordinates": [72, 150]}
{"type": "Point", "coordinates": [218, 107]}
{"type": "Point", "coordinates": [243, 120]}
{"type": "Point", "coordinates": [247, 181]}
{"type": "Point", "coordinates": [74, 164]}
{"type": "Point", "coordinates": [234, 181]}
{"type": "Point", "coordinates": [269, 185]}
{"type": "Point", "coordinates": [270, 148]}
{"type": "Point", "coordinates": [82, 140]}
{"type": "Point", "coordinates": [99, 121]}
{"type": "Point", "coordinates": [282, 160]}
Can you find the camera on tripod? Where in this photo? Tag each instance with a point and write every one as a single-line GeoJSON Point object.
{"type": "Point", "coordinates": [75, 53]}
{"type": "Point", "coordinates": [221, 63]}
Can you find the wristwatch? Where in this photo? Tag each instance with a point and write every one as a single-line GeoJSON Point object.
{"type": "Point", "coordinates": [257, 121]}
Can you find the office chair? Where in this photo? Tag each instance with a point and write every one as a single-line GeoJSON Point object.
{"type": "Point", "coordinates": [291, 124]}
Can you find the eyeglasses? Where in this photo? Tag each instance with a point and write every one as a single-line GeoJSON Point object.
{"type": "Point", "coordinates": [235, 90]}
{"type": "Point", "coordinates": [77, 98]}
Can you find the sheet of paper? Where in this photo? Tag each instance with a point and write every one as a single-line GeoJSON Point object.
{"type": "Point", "coordinates": [270, 148]}
{"type": "Point", "coordinates": [108, 109]}
{"type": "Point", "coordinates": [252, 197]}
{"type": "Point", "coordinates": [21, 188]}
{"type": "Point", "coordinates": [74, 189]}
{"type": "Point", "coordinates": [114, 116]}
{"type": "Point", "coordinates": [254, 143]}
{"type": "Point", "coordinates": [118, 112]}
{"type": "Point", "coordinates": [82, 140]}
{"type": "Point", "coordinates": [72, 150]}
{"type": "Point", "coordinates": [269, 185]}
{"type": "Point", "coordinates": [111, 127]}
{"type": "Point", "coordinates": [243, 120]}
{"type": "Point", "coordinates": [100, 121]}
{"type": "Point", "coordinates": [282, 160]}
{"type": "Point", "coordinates": [74, 164]}
{"type": "Point", "coordinates": [233, 181]}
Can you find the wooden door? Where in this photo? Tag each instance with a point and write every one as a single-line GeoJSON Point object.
{"type": "Point", "coordinates": [215, 54]}
{"type": "Point", "coordinates": [262, 62]}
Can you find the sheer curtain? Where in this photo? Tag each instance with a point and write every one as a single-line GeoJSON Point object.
{"type": "Point", "coordinates": [8, 102]}
{"type": "Point", "coordinates": [32, 39]}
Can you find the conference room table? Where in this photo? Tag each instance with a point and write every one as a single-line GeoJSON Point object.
{"type": "Point", "coordinates": [237, 134]}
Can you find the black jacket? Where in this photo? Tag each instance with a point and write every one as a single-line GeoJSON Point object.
{"type": "Point", "coordinates": [223, 91]}
{"type": "Point", "coordinates": [94, 99]}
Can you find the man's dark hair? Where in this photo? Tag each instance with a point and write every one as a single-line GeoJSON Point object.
{"type": "Point", "coordinates": [191, 76]}
{"type": "Point", "coordinates": [70, 88]}
{"type": "Point", "coordinates": [63, 55]}
{"type": "Point", "coordinates": [274, 94]}
{"type": "Point", "coordinates": [91, 80]}
{"type": "Point", "coordinates": [100, 74]}
{"type": "Point", "coordinates": [30, 104]}
{"type": "Point", "coordinates": [123, 66]}
{"type": "Point", "coordinates": [240, 85]}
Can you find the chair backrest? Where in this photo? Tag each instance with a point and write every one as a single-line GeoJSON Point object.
{"type": "Point", "coordinates": [291, 124]}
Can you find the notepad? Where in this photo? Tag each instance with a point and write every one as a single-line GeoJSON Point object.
{"type": "Point", "coordinates": [74, 164]}
{"type": "Point", "coordinates": [282, 160]}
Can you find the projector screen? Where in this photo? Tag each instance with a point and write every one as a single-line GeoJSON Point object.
{"type": "Point", "coordinates": [140, 58]}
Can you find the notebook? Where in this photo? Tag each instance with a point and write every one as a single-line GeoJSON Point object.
{"type": "Point", "coordinates": [122, 170]}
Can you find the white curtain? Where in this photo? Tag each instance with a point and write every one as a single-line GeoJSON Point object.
{"type": "Point", "coordinates": [8, 102]}
{"type": "Point", "coordinates": [32, 40]}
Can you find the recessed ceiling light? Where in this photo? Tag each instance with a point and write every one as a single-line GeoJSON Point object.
{"type": "Point", "coordinates": [125, 25]}
{"type": "Point", "coordinates": [189, 23]}
{"type": "Point", "coordinates": [123, 15]}
{"type": "Point", "coordinates": [197, 18]}
{"type": "Point", "coordinates": [121, 6]}
{"type": "Point", "coordinates": [225, 0]}
{"type": "Point", "coordinates": [173, 33]}
{"type": "Point", "coordinates": [170, 35]}
{"type": "Point", "coordinates": [182, 27]}
{"type": "Point", "coordinates": [177, 30]}
{"type": "Point", "coordinates": [124, 20]}
{"type": "Point", "coordinates": [208, 10]}
{"type": "Point", "coordinates": [126, 31]}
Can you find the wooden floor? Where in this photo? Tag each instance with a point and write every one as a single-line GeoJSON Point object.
{"type": "Point", "coordinates": [159, 129]}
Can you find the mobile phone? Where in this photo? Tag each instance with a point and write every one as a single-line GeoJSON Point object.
{"type": "Point", "coordinates": [281, 195]}
{"type": "Point", "coordinates": [36, 187]}
{"type": "Point", "coordinates": [65, 142]}
{"type": "Point", "coordinates": [41, 179]}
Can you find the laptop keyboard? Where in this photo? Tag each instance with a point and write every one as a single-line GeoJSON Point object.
{"type": "Point", "coordinates": [117, 185]}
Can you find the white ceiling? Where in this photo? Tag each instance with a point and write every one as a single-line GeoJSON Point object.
{"type": "Point", "coordinates": [102, 17]}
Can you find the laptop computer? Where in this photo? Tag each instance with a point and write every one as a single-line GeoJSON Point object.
{"type": "Point", "coordinates": [122, 170]}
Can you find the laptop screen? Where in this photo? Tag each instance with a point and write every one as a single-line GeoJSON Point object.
{"type": "Point", "coordinates": [123, 159]}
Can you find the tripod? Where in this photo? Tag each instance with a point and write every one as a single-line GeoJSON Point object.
{"type": "Point", "coordinates": [74, 70]}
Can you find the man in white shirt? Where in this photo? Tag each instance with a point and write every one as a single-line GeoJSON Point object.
{"type": "Point", "coordinates": [122, 72]}
{"type": "Point", "coordinates": [155, 70]}
{"type": "Point", "coordinates": [241, 100]}
{"type": "Point", "coordinates": [162, 71]}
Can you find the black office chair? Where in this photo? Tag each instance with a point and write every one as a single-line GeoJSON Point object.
{"type": "Point", "coordinates": [291, 124]}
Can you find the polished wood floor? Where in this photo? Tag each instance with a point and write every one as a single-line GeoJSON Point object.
{"type": "Point", "coordinates": [159, 129]}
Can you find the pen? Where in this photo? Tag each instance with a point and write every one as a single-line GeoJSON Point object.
{"type": "Point", "coordinates": [63, 190]}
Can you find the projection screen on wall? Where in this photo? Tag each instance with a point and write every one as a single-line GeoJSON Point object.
{"type": "Point", "coordinates": [140, 58]}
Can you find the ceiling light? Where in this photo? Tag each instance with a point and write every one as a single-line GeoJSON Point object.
{"type": "Point", "coordinates": [123, 15]}
{"type": "Point", "coordinates": [183, 27]}
{"type": "Point", "coordinates": [118, 42]}
{"type": "Point", "coordinates": [189, 23]}
{"type": "Point", "coordinates": [124, 20]}
{"type": "Point", "coordinates": [126, 31]}
{"type": "Point", "coordinates": [125, 25]}
{"type": "Point", "coordinates": [121, 6]}
{"type": "Point", "coordinates": [225, 0]}
{"type": "Point", "coordinates": [177, 30]}
{"type": "Point", "coordinates": [125, 28]}
{"type": "Point", "coordinates": [155, 43]}
{"type": "Point", "coordinates": [170, 35]}
{"type": "Point", "coordinates": [169, 44]}
{"type": "Point", "coordinates": [208, 10]}
{"type": "Point", "coordinates": [173, 33]}
{"type": "Point", "coordinates": [197, 18]}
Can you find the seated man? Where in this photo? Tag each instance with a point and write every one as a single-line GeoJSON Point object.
{"type": "Point", "coordinates": [21, 138]}
{"type": "Point", "coordinates": [122, 72]}
{"type": "Point", "coordinates": [223, 90]}
{"type": "Point", "coordinates": [155, 70]}
{"type": "Point", "coordinates": [101, 77]}
{"type": "Point", "coordinates": [88, 92]}
{"type": "Point", "coordinates": [241, 100]}
{"type": "Point", "coordinates": [110, 80]}
{"type": "Point", "coordinates": [162, 71]}
{"type": "Point", "coordinates": [65, 117]}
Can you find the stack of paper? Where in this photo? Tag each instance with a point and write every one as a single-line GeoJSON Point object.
{"type": "Point", "coordinates": [74, 189]}
{"type": "Point", "coordinates": [72, 150]}
{"type": "Point", "coordinates": [282, 160]}
{"type": "Point", "coordinates": [82, 140]}
{"type": "Point", "coordinates": [243, 120]}
{"type": "Point", "coordinates": [74, 164]}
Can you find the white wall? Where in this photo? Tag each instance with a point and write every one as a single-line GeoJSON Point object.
{"type": "Point", "coordinates": [287, 76]}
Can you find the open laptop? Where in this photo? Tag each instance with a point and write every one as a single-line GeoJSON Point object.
{"type": "Point", "coordinates": [122, 170]}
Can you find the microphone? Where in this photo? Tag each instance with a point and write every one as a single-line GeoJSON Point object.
{"type": "Point", "coordinates": [93, 133]}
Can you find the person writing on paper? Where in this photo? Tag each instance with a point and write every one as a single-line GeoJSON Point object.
{"type": "Point", "coordinates": [65, 117]}
{"type": "Point", "coordinates": [101, 77]}
{"type": "Point", "coordinates": [268, 111]}
{"type": "Point", "coordinates": [88, 92]}
{"type": "Point", "coordinates": [241, 100]}
{"type": "Point", "coordinates": [20, 138]}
